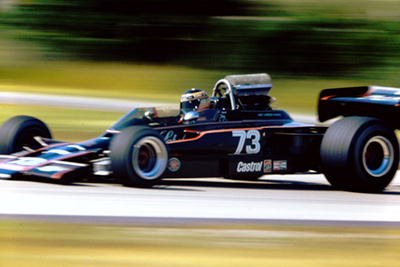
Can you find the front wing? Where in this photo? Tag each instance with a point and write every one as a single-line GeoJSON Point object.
{"type": "Point", "coordinates": [14, 167]}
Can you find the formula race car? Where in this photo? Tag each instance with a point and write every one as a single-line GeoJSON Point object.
{"type": "Point", "coordinates": [233, 134]}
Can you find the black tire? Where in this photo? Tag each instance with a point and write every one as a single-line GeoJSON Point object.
{"type": "Point", "coordinates": [139, 156]}
{"type": "Point", "coordinates": [19, 132]}
{"type": "Point", "coordinates": [360, 154]}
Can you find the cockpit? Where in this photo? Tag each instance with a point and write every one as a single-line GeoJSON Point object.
{"type": "Point", "coordinates": [233, 94]}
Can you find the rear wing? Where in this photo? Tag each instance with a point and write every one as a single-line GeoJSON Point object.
{"type": "Point", "coordinates": [368, 101]}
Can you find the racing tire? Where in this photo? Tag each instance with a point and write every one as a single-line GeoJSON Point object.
{"type": "Point", "coordinates": [19, 132]}
{"type": "Point", "coordinates": [139, 156]}
{"type": "Point", "coordinates": [360, 154]}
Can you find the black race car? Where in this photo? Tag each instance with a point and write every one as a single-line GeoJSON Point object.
{"type": "Point", "coordinates": [238, 136]}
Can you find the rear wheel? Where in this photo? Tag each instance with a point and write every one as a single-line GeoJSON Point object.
{"type": "Point", "coordinates": [360, 154]}
{"type": "Point", "coordinates": [19, 132]}
{"type": "Point", "coordinates": [139, 156]}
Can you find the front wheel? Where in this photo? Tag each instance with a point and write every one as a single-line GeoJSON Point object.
{"type": "Point", "coordinates": [19, 132]}
{"type": "Point", "coordinates": [139, 156]}
{"type": "Point", "coordinates": [360, 154]}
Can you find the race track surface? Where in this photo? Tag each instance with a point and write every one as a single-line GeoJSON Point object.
{"type": "Point", "coordinates": [301, 198]}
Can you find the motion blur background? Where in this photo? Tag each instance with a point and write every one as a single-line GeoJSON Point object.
{"type": "Point", "coordinates": [157, 49]}
{"type": "Point", "coordinates": [298, 38]}
{"type": "Point", "coordinates": [154, 50]}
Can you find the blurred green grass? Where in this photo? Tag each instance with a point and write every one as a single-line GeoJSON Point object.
{"type": "Point", "coordinates": [65, 124]}
{"type": "Point", "coordinates": [112, 80]}
{"type": "Point", "coordinates": [299, 38]}
{"type": "Point", "coordinates": [24, 243]}
{"type": "Point", "coordinates": [156, 83]}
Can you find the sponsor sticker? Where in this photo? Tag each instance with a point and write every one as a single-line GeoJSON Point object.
{"type": "Point", "coordinates": [280, 165]}
{"type": "Point", "coordinates": [174, 164]}
{"type": "Point", "coordinates": [249, 167]}
{"type": "Point", "coordinates": [267, 166]}
{"type": "Point", "coordinates": [263, 166]}
{"type": "Point", "coordinates": [170, 136]}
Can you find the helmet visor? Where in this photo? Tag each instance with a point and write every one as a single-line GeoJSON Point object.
{"type": "Point", "coordinates": [191, 105]}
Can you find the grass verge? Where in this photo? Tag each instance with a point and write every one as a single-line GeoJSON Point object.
{"type": "Point", "coordinates": [152, 82]}
{"type": "Point", "coordinates": [65, 124]}
{"type": "Point", "coordinates": [25, 243]}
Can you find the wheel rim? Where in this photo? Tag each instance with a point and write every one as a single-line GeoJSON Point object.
{"type": "Point", "coordinates": [378, 156]}
{"type": "Point", "coordinates": [150, 158]}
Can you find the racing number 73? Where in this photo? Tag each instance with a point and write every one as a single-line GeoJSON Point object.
{"type": "Point", "coordinates": [253, 136]}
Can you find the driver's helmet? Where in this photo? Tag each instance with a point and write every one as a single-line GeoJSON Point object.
{"type": "Point", "coordinates": [195, 100]}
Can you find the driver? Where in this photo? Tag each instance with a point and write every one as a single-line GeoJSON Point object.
{"type": "Point", "coordinates": [195, 100]}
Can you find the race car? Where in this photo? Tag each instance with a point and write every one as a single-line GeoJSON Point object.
{"type": "Point", "coordinates": [234, 134]}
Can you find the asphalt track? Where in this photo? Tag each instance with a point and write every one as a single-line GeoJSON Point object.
{"type": "Point", "coordinates": [277, 198]}
{"type": "Point", "coordinates": [285, 199]}
{"type": "Point", "coordinates": [70, 101]}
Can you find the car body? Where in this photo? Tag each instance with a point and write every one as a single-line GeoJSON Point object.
{"type": "Point", "coordinates": [240, 137]}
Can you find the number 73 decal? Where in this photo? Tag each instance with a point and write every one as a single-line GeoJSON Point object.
{"type": "Point", "coordinates": [252, 146]}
